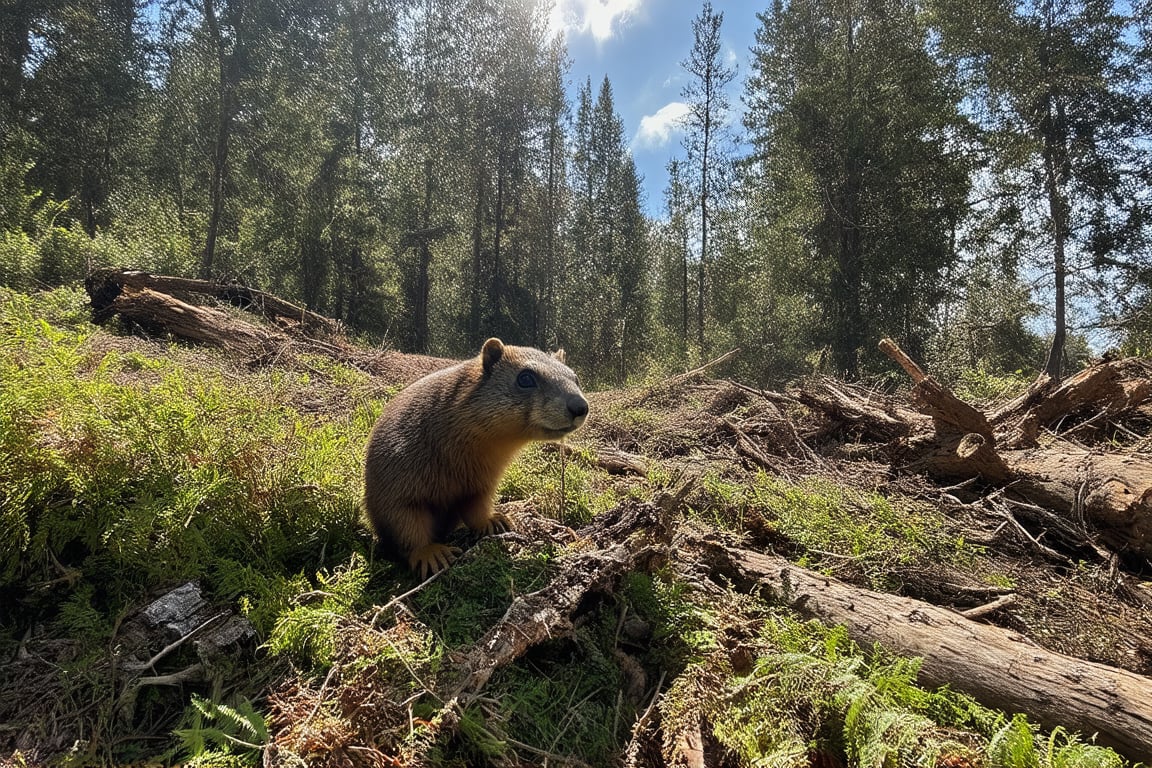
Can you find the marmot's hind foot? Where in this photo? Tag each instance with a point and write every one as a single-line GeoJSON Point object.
{"type": "Point", "coordinates": [498, 523]}
{"type": "Point", "coordinates": [432, 559]}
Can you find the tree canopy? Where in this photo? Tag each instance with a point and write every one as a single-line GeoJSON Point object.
{"type": "Point", "coordinates": [425, 172]}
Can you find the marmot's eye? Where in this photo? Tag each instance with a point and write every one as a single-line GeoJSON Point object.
{"type": "Point", "coordinates": [526, 380]}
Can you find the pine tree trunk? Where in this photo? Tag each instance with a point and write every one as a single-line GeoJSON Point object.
{"type": "Point", "coordinates": [226, 105]}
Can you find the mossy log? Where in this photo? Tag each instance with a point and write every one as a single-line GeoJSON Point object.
{"type": "Point", "coordinates": [999, 667]}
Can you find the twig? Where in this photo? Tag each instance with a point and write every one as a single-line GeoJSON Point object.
{"type": "Point", "coordinates": [1010, 519]}
{"type": "Point", "coordinates": [176, 644]}
{"type": "Point", "coordinates": [697, 371]}
{"type": "Point", "coordinates": [995, 605]}
{"type": "Point", "coordinates": [176, 678]}
{"type": "Point", "coordinates": [745, 446]}
{"type": "Point", "coordinates": [380, 611]}
{"type": "Point", "coordinates": [563, 476]}
{"type": "Point", "coordinates": [642, 722]}
{"type": "Point", "coordinates": [320, 695]}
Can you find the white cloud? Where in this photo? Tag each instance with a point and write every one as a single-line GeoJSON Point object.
{"type": "Point", "coordinates": [656, 130]}
{"type": "Point", "coordinates": [599, 18]}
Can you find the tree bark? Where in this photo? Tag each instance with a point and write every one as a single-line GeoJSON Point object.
{"type": "Point", "coordinates": [227, 71]}
{"type": "Point", "coordinates": [1000, 668]}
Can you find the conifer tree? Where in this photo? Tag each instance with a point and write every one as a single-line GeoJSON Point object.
{"type": "Point", "coordinates": [1064, 106]}
{"type": "Point", "coordinates": [854, 128]}
{"type": "Point", "coordinates": [705, 138]}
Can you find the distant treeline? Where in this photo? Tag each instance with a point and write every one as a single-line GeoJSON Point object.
{"type": "Point", "coordinates": [953, 173]}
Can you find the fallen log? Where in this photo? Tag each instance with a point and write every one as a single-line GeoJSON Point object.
{"type": "Point", "coordinates": [998, 667]}
{"type": "Point", "coordinates": [1102, 391]}
{"type": "Point", "coordinates": [1109, 493]}
{"type": "Point", "coordinates": [161, 312]}
{"type": "Point", "coordinates": [105, 285]}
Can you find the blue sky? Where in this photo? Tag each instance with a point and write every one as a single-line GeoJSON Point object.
{"type": "Point", "coordinates": [639, 45]}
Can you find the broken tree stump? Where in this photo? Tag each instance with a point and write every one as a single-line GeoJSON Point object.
{"type": "Point", "coordinates": [1101, 391]}
{"type": "Point", "coordinates": [998, 667]}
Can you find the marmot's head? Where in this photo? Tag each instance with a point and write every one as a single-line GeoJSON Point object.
{"type": "Point", "coordinates": [545, 391]}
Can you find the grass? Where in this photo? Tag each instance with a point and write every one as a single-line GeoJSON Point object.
{"type": "Point", "coordinates": [833, 527]}
{"type": "Point", "coordinates": [539, 473]}
{"type": "Point", "coordinates": [127, 467]}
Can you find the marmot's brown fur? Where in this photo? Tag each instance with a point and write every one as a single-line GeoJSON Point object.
{"type": "Point", "coordinates": [436, 456]}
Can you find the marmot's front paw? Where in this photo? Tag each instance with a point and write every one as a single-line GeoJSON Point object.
{"type": "Point", "coordinates": [498, 523]}
{"type": "Point", "coordinates": [432, 559]}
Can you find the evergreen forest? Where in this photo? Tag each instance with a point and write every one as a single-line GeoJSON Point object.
{"type": "Point", "coordinates": [970, 178]}
{"type": "Point", "coordinates": [775, 541]}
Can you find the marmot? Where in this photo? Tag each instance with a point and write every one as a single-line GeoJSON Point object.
{"type": "Point", "coordinates": [439, 449]}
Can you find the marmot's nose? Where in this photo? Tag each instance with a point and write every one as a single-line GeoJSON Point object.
{"type": "Point", "coordinates": [578, 406]}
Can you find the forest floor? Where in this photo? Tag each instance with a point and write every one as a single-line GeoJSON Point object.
{"type": "Point", "coordinates": [620, 623]}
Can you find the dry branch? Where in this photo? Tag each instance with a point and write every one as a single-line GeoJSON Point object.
{"type": "Point", "coordinates": [629, 538]}
{"type": "Point", "coordinates": [1000, 668]}
{"type": "Point", "coordinates": [948, 412]}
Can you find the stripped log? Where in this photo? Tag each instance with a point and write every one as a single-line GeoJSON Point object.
{"type": "Point", "coordinates": [1000, 668]}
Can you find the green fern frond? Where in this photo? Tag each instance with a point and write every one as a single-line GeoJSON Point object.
{"type": "Point", "coordinates": [216, 726]}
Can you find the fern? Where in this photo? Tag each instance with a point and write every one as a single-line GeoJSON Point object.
{"type": "Point", "coordinates": [309, 631]}
{"type": "Point", "coordinates": [238, 729]}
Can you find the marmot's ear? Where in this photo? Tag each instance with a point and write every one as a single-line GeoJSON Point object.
{"type": "Point", "coordinates": [559, 355]}
{"type": "Point", "coordinates": [492, 352]}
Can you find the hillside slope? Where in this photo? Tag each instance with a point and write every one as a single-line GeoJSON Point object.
{"type": "Point", "coordinates": [619, 624]}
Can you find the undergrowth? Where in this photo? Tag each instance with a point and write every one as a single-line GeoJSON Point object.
{"type": "Point", "coordinates": [838, 528]}
{"type": "Point", "coordinates": [127, 468]}
{"type": "Point", "coordinates": [809, 696]}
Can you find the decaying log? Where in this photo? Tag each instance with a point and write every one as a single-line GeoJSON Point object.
{"type": "Point", "coordinates": [1105, 389]}
{"type": "Point", "coordinates": [206, 325]}
{"type": "Point", "coordinates": [160, 312]}
{"type": "Point", "coordinates": [1000, 668]}
{"type": "Point", "coordinates": [105, 285]}
{"type": "Point", "coordinates": [955, 456]}
{"type": "Point", "coordinates": [1111, 493]}
{"type": "Point", "coordinates": [631, 537]}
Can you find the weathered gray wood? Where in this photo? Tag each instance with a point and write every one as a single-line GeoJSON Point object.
{"type": "Point", "coordinates": [1000, 668]}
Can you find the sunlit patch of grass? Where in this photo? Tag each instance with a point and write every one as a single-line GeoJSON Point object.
{"type": "Point", "coordinates": [837, 526]}
{"type": "Point", "coordinates": [475, 592]}
{"type": "Point", "coordinates": [539, 474]}
{"type": "Point", "coordinates": [139, 480]}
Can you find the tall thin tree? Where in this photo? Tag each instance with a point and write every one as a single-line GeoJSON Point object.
{"type": "Point", "coordinates": [708, 105]}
